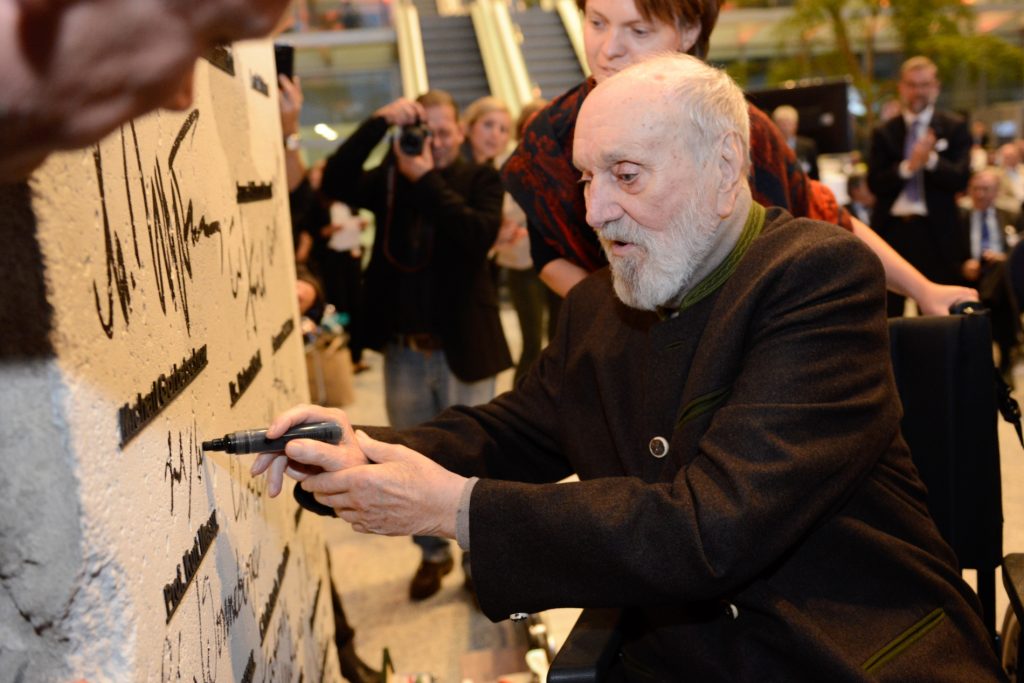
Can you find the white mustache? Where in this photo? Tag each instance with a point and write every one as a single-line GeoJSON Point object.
{"type": "Point", "coordinates": [622, 230]}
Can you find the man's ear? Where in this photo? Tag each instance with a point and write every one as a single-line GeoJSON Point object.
{"type": "Point", "coordinates": [731, 167]}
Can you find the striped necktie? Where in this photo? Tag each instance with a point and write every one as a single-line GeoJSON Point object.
{"type": "Point", "coordinates": [913, 184]}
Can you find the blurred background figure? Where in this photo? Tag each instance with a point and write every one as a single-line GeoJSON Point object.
{"type": "Point", "coordinates": [985, 235]}
{"type": "Point", "coordinates": [1011, 178]}
{"type": "Point", "coordinates": [979, 145]}
{"type": "Point", "coordinates": [919, 162]}
{"type": "Point", "coordinates": [861, 200]}
{"type": "Point", "coordinates": [487, 122]}
{"type": "Point", "coordinates": [487, 126]}
{"type": "Point", "coordinates": [806, 150]}
{"type": "Point", "coordinates": [431, 307]}
{"type": "Point", "coordinates": [326, 234]}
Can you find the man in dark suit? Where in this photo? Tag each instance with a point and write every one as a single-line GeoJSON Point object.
{"type": "Point", "coordinates": [982, 251]}
{"type": "Point", "coordinates": [919, 161]}
{"type": "Point", "coordinates": [430, 303]}
{"type": "Point", "coordinates": [725, 393]}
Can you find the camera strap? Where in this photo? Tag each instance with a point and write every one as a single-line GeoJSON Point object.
{"type": "Point", "coordinates": [416, 227]}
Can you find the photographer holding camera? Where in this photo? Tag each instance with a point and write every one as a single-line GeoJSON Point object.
{"type": "Point", "coordinates": [430, 305]}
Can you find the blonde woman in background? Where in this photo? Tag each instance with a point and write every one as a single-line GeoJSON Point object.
{"type": "Point", "coordinates": [488, 124]}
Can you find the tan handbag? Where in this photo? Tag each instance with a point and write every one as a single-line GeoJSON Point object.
{"type": "Point", "coordinates": [329, 369]}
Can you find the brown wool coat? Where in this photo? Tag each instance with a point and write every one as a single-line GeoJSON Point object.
{"type": "Point", "coordinates": [784, 536]}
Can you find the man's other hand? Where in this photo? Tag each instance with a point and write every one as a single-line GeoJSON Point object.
{"type": "Point", "coordinates": [401, 493]}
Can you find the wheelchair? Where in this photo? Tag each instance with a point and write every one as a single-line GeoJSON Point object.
{"type": "Point", "coordinates": [951, 394]}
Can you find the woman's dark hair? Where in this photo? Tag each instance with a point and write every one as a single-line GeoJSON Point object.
{"type": "Point", "coordinates": [680, 13]}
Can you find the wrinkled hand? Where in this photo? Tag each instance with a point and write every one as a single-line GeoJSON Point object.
{"type": "Point", "coordinates": [402, 112]}
{"type": "Point", "coordinates": [306, 457]}
{"type": "Point", "coordinates": [290, 104]}
{"type": "Point", "coordinates": [938, 299]}
{"type": "Point", "coordinates": [403, 493]}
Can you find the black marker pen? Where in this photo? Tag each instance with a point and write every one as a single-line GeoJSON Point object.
{"type": "Point", "coordinates": [255, 440]}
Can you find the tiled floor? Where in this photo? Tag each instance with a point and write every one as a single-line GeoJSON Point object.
{"type": "Point", "coordinates": [372, 572]}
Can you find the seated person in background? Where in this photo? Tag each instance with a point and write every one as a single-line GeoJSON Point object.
{"type": "Point", "coordinates": [1011, 179]}
{"type": "Point", "coordinates": [861, 200]}
{"type": "Point", "coordinates": [804, 148]}
{"type": "Point", "coordinates": [981, 253]}
{"type": "Point", "coordinates": [725, 393]}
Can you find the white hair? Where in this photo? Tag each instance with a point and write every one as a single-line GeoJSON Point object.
{"type": "Point", "coordinates": [785, 112]}
{"type": "Point", "coordinates": [705, 97]}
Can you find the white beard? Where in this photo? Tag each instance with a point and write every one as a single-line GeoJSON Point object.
{"type": "Point", "coordinates": [663, 262]}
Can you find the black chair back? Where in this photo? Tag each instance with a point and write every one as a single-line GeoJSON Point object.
{"type": "Point", "coordinates": [946, 381]}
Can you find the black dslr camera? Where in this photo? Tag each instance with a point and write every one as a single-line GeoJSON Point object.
{"type": "Point", "coordinates": [412, 138]}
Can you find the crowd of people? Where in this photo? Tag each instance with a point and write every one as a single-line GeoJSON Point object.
{"type": "Point", "coordinates": [450, 230]}
{"type": "Point", "coordinates": [696, 267]}
{"type": "Point", "coordinates": [718, 376]}
{"type": "Point", "coordinates": [676, 226]}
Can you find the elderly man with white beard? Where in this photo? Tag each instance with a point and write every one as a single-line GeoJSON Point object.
{"type": "Point", "coordinates": [724, 393]}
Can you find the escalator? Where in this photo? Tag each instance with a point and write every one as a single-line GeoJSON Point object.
{"type": "Point", "coordinates": [452, 57]}
{"type": "Point", "coordinates": [550, 59]}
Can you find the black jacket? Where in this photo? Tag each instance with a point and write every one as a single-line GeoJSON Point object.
{"type": "Point", "coordinates": [431, 244]}
{"type": "Point", "coordinates": [941, 184]}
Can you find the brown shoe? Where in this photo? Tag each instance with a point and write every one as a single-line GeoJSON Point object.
{"type": "Point", "coordinates": [427, 580]}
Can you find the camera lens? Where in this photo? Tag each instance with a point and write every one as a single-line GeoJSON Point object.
{"type": "Point", "coordinates": [412, 139]}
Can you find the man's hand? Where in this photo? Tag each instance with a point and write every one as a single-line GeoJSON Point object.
{"type": "Point", "coordinates": [306, 457]}
{"type": "Point", "coordinates": [921, 152]}
{"type": "Point", "coordinates": [403, 493]}
{"type": "Point", "coordinates": [402, 112]}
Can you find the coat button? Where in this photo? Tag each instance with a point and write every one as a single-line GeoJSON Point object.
{"type": "Point", "coordinates": [658, 447]}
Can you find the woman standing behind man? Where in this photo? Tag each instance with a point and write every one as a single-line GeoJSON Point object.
{"type": "Point", "coordinates": [487, 123]}
{"type": "Point", "coordinates": [541, 177]}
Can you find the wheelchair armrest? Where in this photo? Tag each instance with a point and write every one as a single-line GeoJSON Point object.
{"type": "Point", "coordinates": [1013, 581]}
{"type": "Point", "coordinates": [590, 649]}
